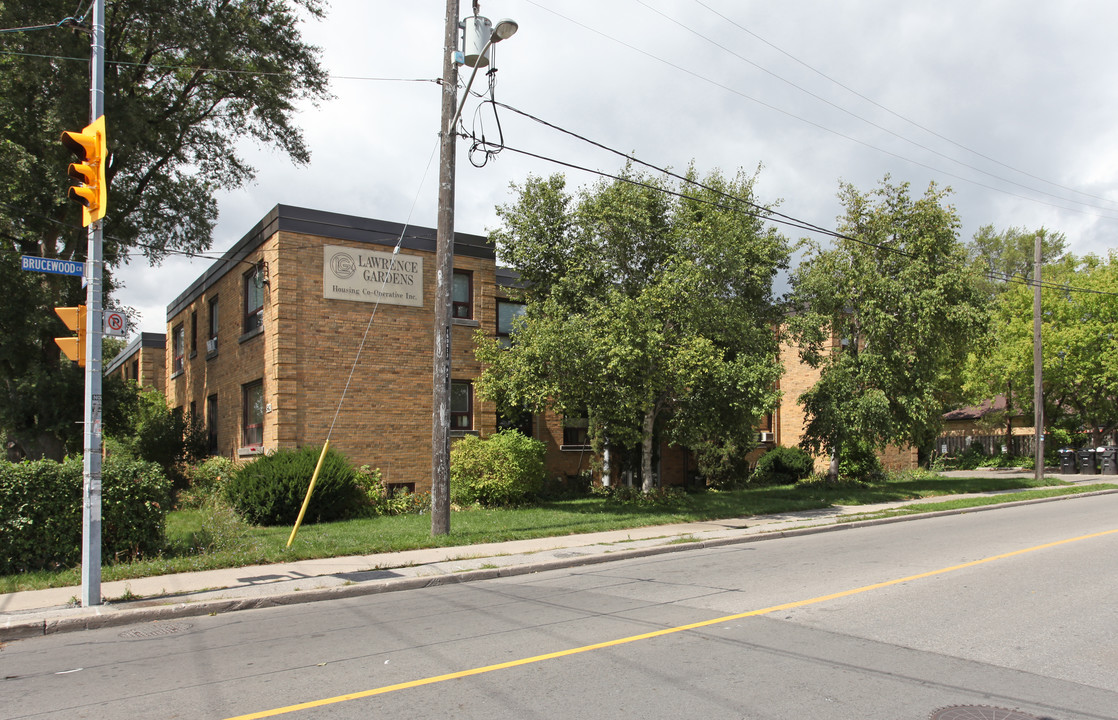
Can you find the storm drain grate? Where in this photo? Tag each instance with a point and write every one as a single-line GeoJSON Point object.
{"type": "Point", "coordinates": [980, 712]}
{"type": "Point", "coordinates": [154, 630]}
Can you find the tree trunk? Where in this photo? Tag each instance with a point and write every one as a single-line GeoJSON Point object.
{"type": "Point", "coordinates": [606, 469]}
{"type": "Point", "coordinates": [833, 470]}
{"type": "Point", "coordinates": [646, 450]}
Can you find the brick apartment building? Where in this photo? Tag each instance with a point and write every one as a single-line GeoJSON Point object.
{"type": "Point", "coordinates": [260, 347]}
{"type": "Point", "coordinates": [142, 360]}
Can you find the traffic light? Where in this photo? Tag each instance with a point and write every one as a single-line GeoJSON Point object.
{"type": "Point", "coordinates": [73, 347]}
{"type": "Point", "coordinates": [90, 147]}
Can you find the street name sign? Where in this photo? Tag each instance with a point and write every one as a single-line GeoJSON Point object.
{"type": "Point", "coordinates": [52, 265]}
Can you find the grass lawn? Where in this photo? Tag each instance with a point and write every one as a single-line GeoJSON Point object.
{"type": "Point", "coordinates": [262, 545]}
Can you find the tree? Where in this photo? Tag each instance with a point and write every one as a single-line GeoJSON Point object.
{"type": "Point", "coordinates": [887, 315]}
{"type": "Point", "coordinates": [1079, 312]}
{"type": "Point", "coordinates": [185, 82]}
{"type": "Point", "coordinates": [1004, 258]}
{"type": "Point", "coordinates": [648, 313]}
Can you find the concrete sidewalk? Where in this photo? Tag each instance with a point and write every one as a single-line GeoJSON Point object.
{"type": "Point", "coordinates": [39, 612]}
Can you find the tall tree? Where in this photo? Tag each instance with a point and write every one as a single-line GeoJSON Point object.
{"type": "Point", "coordinates": [185, 82]}
{"type": "Point", "coordinates": [1079, 317]}
{"type": "Point", "coordinates": [1004, 258]}
{"type": "Point", "coordinates": [649, 313]}
{"type": "Point", "coordinates": [887, 315]}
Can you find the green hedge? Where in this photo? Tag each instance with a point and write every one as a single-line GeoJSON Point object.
{"type": "Point", "coordinates": [504, 469]}
{"type": "Point", "coordinates": [783, 465]}
{"type": "Point", "coordinates": [270, 490]}
{"type": "Point", "coordinates": [41, 512]}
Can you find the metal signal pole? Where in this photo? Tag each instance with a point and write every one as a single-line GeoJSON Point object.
{"type": "Point", "coordinates": [91, 459]}
{"type": "Point", "coordinates": [1038, 385]}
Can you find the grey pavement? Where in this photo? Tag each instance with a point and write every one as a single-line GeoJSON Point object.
{"type": "Point", "coordinates": [38, 612]}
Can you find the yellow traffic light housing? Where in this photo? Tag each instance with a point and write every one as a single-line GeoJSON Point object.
{"type": "Point", "coordinates": [92, 151]}
{"type": "Point", "coordinates": [73, 347]}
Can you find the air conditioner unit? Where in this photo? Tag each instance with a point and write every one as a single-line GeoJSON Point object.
{"type": "Point", "coordinates": [211, 345]}
{"type": "Point", "coordinates": [766, 437]}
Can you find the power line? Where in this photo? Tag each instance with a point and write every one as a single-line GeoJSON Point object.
{"type": "Point", "coordinates": [227, 71]}
{"type": "Point", "coordinates": [856, 116]}
{"type": "Point", "coordinates": [819, 126]}
{"type": "Point", "coordinates": [758, 211]}
{"type": "Point", "coordinates": [908, 120]}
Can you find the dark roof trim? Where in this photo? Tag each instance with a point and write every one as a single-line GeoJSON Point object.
{"type": "Point", "coordinates": [289, 218]}
{"type": "Point", "coordinates": [144, 339]}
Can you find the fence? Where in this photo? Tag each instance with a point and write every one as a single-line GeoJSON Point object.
{"type": "Point", "coordinates": [1020, 445]}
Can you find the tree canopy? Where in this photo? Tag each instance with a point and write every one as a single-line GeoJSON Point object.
{"type": "Point", "coordinates": [185, 82]}
{"type": "Point", "coordinates": [887, 315]}
{"type": "Point", "coordinates": [649, 310]}
{"type": "Point", "coordinates": [1079, 314]}
{"type": "Point", "coordinates": [1004, 260]}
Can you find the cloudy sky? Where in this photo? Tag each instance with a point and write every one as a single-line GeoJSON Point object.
{"type": "Point", "coordinates": [1011, 103]}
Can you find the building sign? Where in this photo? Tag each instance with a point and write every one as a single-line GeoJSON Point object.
{"type": "Point", "coordinates": [371, 276]}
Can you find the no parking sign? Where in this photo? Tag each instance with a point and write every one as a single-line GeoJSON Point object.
{"type": "Point", "coordinates": [116, 323]}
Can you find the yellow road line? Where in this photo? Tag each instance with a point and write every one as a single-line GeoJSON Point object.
{"type": "Point", "coordinates": [646, 636]}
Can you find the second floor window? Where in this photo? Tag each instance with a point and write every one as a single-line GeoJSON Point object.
{"type": "Point", "coordinates": [211, 339]}
{"type": "Point", "coordinates": [178, 347]}
{"type": "Point", "coordinates": [462, 295]}
{"type": "Point", "coordinates": [254, 300]}
{"type": "Point", "coordinates": [508, 312]}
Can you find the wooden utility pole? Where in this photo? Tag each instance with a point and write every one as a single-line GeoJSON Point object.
{"type": "Point", "coordinates": [1038, 385]}
{"type": "Point", "coordinates": [444, 270]}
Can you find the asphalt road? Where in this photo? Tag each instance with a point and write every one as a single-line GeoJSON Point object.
{"type": "Point", "coordinates": [1016, 609]}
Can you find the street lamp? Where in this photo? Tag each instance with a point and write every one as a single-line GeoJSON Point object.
{"type": "Point", "coordinates": [444, 252]}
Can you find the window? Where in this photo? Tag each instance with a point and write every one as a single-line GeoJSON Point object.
{"type": "Point", "coordinates": [462, 295]}
{"type": "Point", "coordinates": [178, 347]}
{"type": "Point", "coordinates": [461, 405]}
{"type": "Point", "coordinates": [508, 312]}
{"type": "Point", "coordinates": [253, 399]}
{"type": "Point", "coordinates": [193, 333]}
{"type": "Point", "coordinates": [522, 422]}
{"type": "Point", "coordinates": [254, 300]}
{"type": "Point", "coordinates": [576, 432]}
{"type": "Point", "coordinates": [211, 423]}
{"type": "Point", "coordinates": [135, 370]}
{"type": "Point", "coordinates": [211, 339]}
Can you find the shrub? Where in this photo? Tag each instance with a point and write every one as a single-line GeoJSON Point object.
{"type": "Point", "coordinates": [723, 464]}
{"type": "Point", "coordinates": [860, 462]}
{"type": "Point", "coordinates": [379, 500]}
{"type": "Point", "coordinates": [270, 490]}
{"type": "Point", "coordinates": [135, 498]}
{"type": "Point", "coordinates": [504, 469]}
{"type": "Point", "coordinates": [783, 465]}
{"type": "Point", "coordinates": [41, 512]}
{"type": "Point", "coordinates": [205, 480]}
{"type": "Point", "coordinates": [150, 430]}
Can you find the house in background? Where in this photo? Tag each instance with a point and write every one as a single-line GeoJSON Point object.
{"type": "Point", "coordinates": [986, 424]}
{"type": "Point", "coordinates": [142, 360]}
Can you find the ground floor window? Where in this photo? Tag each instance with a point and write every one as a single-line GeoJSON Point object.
{"type": "Point", "coordinates": [253, 425]}
{"type": "Point", "coordinates": [211, 423]}
{"type": "Point", "coordinates": [576, 432]}
{"type": "Point", "coordinates": [461, 405]}
{"type": "Point", "coordinates": [523, 422]}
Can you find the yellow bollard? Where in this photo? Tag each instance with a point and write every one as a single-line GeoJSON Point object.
{"type": "Point", "coordinates": [307, 499]}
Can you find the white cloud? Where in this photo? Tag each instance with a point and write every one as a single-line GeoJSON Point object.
{"type": "Point", "coordinates": [1023, 83]}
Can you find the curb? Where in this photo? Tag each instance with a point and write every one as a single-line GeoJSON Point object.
{"type": "Point", "coordinates": [142, 611]}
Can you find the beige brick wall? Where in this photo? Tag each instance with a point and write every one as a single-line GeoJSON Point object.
{"type": "Point", "coordinates": [307, 351]}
